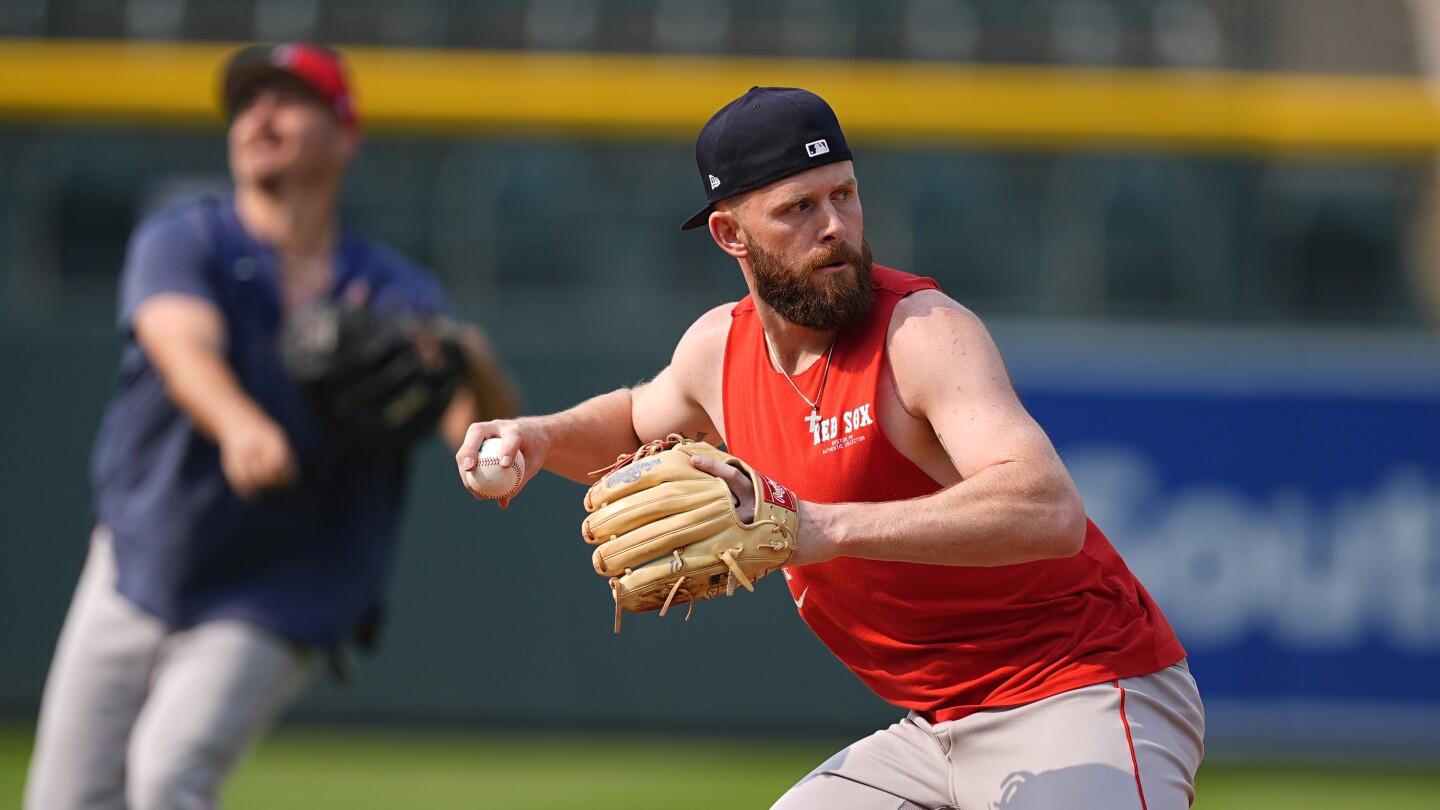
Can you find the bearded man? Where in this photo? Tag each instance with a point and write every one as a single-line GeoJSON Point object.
{"type": "Point", "coordinates": [942, 551]}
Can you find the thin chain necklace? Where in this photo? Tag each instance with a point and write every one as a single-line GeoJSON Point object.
{"type": "Point", "coordinates": [824, 375]}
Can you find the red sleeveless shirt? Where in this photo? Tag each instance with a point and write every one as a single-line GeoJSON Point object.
{"type": "Point", "coordinates": [943, 640]}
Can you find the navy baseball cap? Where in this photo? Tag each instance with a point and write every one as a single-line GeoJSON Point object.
{"type": "Point", "coordinates": [765, 135]}
{"type": "Point", "coordinates": [318, 67]}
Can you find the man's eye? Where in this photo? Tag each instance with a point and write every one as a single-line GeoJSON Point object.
{"type": "Point", "coordinates": [801, 206]}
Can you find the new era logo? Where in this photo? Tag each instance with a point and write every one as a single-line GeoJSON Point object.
{"type": "Point", "coordinates": [817, 148]}
{"type": "Point", "coordinates": [714, 181]}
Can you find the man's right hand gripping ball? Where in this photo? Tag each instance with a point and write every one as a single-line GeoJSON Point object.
{"type": "Point", "coordinates": [666, 532]}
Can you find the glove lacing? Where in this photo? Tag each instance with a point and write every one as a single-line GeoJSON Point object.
{"type": "Point", "coordinates": [646, 449]}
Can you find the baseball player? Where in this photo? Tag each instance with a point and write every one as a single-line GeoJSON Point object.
{"type": "Point", "coordinates": [236, 537]}
{"type": "Point", "coordinates": [941, 551]}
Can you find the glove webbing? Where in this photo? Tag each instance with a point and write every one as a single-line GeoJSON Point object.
{"type": "Point", "coordinates": [727, 556]}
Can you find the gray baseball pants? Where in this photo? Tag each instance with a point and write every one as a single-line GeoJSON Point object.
{"type": "Point", "coordinates": [137, 716]}
{"type": "Point", "coordinates": [1131, 744]}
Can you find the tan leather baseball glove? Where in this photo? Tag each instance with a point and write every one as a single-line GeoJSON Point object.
{"type": "Point", "coordinates": [666, 532]}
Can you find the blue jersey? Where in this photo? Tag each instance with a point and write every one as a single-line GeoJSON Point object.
{"type": "Point", "coordinates": [308, 562]}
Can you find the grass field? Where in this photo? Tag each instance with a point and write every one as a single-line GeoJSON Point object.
{"type": "Point", "coordinates": [364, 769]}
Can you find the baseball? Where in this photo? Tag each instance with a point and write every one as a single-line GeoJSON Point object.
{"type": "Point", "coordinates": [489, 479]}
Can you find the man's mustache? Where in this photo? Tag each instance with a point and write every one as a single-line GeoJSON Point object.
{"type": "Point", "coordinates": [837, 253]}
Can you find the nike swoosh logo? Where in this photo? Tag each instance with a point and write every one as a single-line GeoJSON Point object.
{"type": "Point", "coordinates": [800, 603]}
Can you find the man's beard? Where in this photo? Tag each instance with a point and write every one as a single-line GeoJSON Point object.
{"type": "Point", "coordinates": [821, 303]}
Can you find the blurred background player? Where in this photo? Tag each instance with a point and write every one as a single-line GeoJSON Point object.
{"type": "Point", "coordinates": [943, 553]}
{"type": "Point", "coordinates": [236, 537]}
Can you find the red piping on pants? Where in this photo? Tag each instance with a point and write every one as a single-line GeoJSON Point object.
{"type": "Point", "coordinates": [1130, 741]}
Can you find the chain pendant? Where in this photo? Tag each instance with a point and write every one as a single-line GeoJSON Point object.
{"type": "Point", "coordinates": [813, 420]}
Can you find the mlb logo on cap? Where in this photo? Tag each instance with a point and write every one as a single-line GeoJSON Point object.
{"type": "Point", "coordinates": [757, 138]}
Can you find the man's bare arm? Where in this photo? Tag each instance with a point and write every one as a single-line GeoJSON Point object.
{"type": "Point", "coordinates": [685, 397]}
{"type": "Point", "coordinates": [1015, 502]}
{"type": "Point", "coordinates": [577, 441]}
{"type": "Point", "coordinates": [184, 338]}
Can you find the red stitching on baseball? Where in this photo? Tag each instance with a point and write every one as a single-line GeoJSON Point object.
{"type": "Point", "coordinates": [491, 461]}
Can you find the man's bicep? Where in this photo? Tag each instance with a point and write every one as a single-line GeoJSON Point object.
{"type": "Point", "coordinates": [169, 326]}
{"type": "Point", "coordinates": [663, 406]}
{"type": "Point", "coordinates": [981, 432]}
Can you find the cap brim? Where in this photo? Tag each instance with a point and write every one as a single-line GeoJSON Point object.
{"type": "Point", "coordinates": [243, 78]}
{"type": "Point", "coordinates": [700, 218]}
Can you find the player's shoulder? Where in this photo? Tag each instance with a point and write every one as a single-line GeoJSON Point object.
{"type": "Point", "coordinates": [394, 279]}
{"type": "Point", "coordinates": [714, 321]}
{"type": "Point", "coordinates": [931, 308]}
{"type": "Point", "coordinates": [928, 318]}
{"type": "Point", "coordinates": [184, 221]}
{"type": "Point", "coordinates": [383, 262]}
{"type": "Point", "coordinates": [704, 341]}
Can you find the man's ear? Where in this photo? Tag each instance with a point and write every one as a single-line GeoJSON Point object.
{"type": "Point", "coordinates": [728, 235]}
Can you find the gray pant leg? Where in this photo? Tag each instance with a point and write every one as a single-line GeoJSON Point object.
{"type": "Point", "coordinates": [218, 687]}
{"type": "Point", "coordinates": [96, 686]}
{"type": "Point", "coordinates": [1167, 725]}
{"type": "Point", "coordinates": [137, 717]}
{"type": "Point", "coordinates": [1096, 748]}
{"type": "Point", "coordinates": [1113, 746]}
{"type": "Point", "coordinates": [898, 768]}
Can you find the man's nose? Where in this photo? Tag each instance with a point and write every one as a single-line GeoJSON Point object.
{"type": "Point", "coordinates": [832, 225]}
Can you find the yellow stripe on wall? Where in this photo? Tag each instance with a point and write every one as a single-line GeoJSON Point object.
{"type": "Point", "coordinates": [439, 92]}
